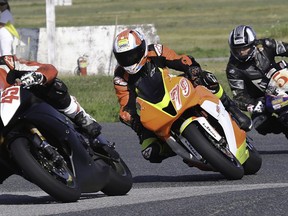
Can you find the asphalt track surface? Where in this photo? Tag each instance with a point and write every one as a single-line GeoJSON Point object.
{"type": "Point", "coordinates": [169, 188]}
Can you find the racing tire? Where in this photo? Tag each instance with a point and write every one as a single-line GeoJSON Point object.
{"type": "Point", "coordinates": [231, 169]}
{"type": "Point", "coordinates": [120, 179]}
{"type": "Point", "coordinates": [37, 174]}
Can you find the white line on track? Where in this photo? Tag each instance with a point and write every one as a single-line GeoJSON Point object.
{"type": "Point", "coordinates": [31, 203]}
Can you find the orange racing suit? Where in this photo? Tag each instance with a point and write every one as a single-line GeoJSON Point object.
{"type": "Point", "coordinates": [158, 56]}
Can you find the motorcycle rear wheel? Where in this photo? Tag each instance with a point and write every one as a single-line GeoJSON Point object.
{"type": "Point", "coordinates": [229, 167]}
{"type": "Point", "coordinates": [64, 189]}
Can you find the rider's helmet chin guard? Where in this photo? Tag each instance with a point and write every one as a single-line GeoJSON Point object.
{"type": "Point", "coordinates": [242, 42]}
{"type": "Point", "coordinates": [130, 50]}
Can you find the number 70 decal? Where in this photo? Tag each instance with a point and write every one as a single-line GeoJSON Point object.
{"type": "Point", "coordinates": [175, 92]}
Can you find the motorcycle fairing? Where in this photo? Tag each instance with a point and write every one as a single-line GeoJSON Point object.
{"type": "Point", "coordinates": [91, 176]}
{"type": "Point", "coordinates": [237, 143]}
{"type": "Point", "coordinates": [184, 96]}
{"type": "Point", "coordinates": [277, 104]}
{"type": "Point", "coordinates": [278, 79]}
{"type": "Point", "coordinates": [10, 102]}
{"type": "Point", "coordinates": [276, 98]}
{"type": "Point", "coordinates": [154, 115]}
{"type": "Point", "coordinates": [61, 129]}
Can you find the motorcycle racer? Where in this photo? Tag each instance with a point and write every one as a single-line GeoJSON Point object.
{"type": "Point", "coordinates": [250, 58]}
{"type": "Point", "coordinates": [136, 60]}
{"type": "Point", "coordinates": [42, 80]}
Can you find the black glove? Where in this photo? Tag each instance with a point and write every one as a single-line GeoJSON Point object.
{"type": "Point", "coordinates": [210, 81]}
{"type": "Point", "coordinates": [194, 72]}
{"type": "Point", "coordinates": [136, 124]}
{"type": "Point", "coordinates": [194, 75]}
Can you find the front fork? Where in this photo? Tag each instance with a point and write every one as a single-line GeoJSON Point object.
{"type": "Point", "coordinates": [50, 151]}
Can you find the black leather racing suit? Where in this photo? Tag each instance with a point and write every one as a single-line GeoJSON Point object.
{"type": "Point", "coordinates": [246, 80]}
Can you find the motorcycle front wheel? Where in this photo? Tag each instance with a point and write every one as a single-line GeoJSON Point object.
{"type": "Point", "coordinates": [120, 178]}
{"type": "Point", "coordinates": [253, 164]}
{"type": "Point", "coordinates": [56, 180]}
{"type": "Point", "coordinates": [226, 164]}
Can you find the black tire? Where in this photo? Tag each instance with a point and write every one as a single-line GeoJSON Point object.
{"type": "Point", "coordinates": [120, 179]}
{"type": "Point", "coordinates": [230, 167]}
{"type": "Point", "coordinates": [37, 174]}
{"type": "Point", "coordinates": [253, 164]}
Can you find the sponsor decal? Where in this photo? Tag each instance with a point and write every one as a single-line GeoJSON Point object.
{"type": "Point", "coordinates": [184, 85]}
{"type": "Point", "coordinates": [123, 44]}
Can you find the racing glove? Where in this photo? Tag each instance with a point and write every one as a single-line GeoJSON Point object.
{"type": "Point", "coordinates": [258, 108]}
{"type": "Point", "coordinates": [31, 78]}
{"type": "Point", "coordinates": [194, 72]}
{"type": "Point", "coordinates": [136, 124]}
{"type": "Point", "coordinates": [194, 75]}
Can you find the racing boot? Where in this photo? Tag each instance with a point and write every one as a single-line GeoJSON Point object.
{"type": "Point", "coordinates": [243, 121]}
{"type": "Point", "coordinates": [155, 150]}
{"type": "Point", "coordinates": [83, 120]}
{"type": "Point", "coordinates": [88, 124]}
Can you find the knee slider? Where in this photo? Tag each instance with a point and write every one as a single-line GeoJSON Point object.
{"type": "Point", "coordinates": [59, 86]}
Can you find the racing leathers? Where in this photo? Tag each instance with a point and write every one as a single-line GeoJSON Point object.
{"type": "Point", "coordinates": [248, 82]}
{"type": "Point", "coordinates": [42, 80]}
{"type": "Point", "coordinates": [160, 56]}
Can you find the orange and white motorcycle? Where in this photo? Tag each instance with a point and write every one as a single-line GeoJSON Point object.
{"type": "Point", "coordinates": [195, 124]}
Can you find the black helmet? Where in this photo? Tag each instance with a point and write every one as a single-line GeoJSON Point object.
{"type": "Point", "coordinates": [242, 42]}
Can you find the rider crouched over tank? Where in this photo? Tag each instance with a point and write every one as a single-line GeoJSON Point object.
{"type": "Point", "coordinates": [136, 60]}
{"type": "Point", "coordinates": [41, 79]}
{"type": "Point", "coordinates": [246, 71]}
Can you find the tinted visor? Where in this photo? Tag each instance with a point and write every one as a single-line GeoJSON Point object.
{"type": "Point", "coordinates": [131, 57]}
{"type": "Point", "coordinates": [243, 52]}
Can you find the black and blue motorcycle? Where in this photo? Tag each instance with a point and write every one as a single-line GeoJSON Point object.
{"type": "Point", "coordinates": [42, 145]}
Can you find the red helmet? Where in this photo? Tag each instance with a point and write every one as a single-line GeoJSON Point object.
{"type": "Point", "coordinates": [130, 50]}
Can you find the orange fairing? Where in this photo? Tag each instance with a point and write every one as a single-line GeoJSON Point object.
{"type": "Point", "coordinates": [182, 95]}
{"type": "Point", "coordinates": [240, 135]}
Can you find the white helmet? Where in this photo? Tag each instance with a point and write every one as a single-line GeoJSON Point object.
{"type": "Point", "coordinates": [130, 50]}
{"type": "Point", "coordinates": [242, 42]}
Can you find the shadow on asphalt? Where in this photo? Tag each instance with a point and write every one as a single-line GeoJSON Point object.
{"type": "Point", "coordinates": [10, 199]}
{"type": "Point", "coordinates": [183, 178]}
{"type": "Point", "coordinates": [272, 152]}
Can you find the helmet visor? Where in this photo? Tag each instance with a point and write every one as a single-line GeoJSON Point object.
{"type": "Point", "coordinates": [243, 52]}
{"type": "Point", "coordinates": [131, 57]}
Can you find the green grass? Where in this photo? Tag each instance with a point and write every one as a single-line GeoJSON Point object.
{"type": "Point", "coordinates": [198, 27]}
{"type": "Point", "coordinates": [96, 94]}
{"type": "Point", "coordinates": [195, 27]}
